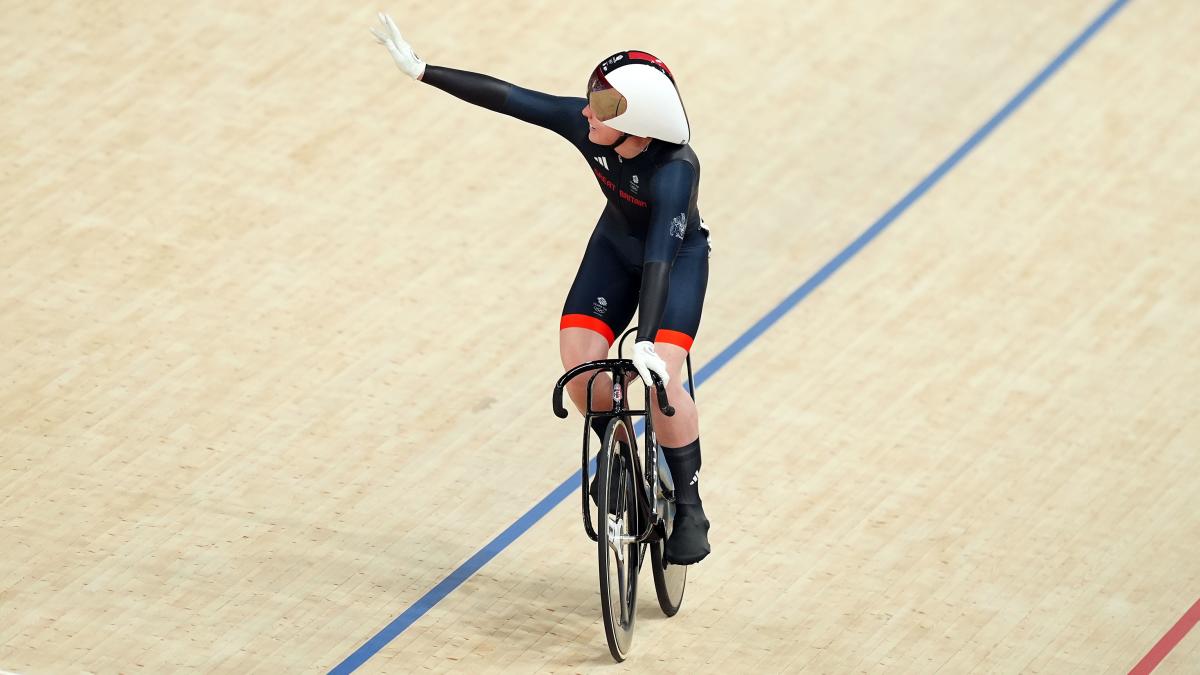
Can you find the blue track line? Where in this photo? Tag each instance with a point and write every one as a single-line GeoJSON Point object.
{"type": "Point", "coordinates": [568, 486]}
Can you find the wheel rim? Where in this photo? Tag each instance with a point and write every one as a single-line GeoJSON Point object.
{"type": "Point", "coordinates": [674, 580]}
{"type": "Point", "coordinates": [670, 581]}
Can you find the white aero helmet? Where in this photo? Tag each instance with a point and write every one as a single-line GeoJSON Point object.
{"type": "Point", "coordinates": [634, 93]}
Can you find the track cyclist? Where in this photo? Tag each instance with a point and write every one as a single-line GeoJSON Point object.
{"type": "Point", "coordinates": [649, 251]}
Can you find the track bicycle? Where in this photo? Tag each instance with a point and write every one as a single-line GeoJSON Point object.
{"type": "Point", "coordinates": [635, 498]}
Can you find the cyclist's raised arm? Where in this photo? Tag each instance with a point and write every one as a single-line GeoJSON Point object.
{"type": "Point", "coordinates": [559, 114]}
{"type": "Point", "coordinates": [556, 113]}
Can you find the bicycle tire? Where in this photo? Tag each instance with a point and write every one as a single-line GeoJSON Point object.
{"type": "Point", "coordinates": [670, 581]}
{"type": "Point", "coordinates": [618, 563]}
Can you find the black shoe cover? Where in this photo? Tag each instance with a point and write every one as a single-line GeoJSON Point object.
{"type": "Point", "coordinates": [594, 491]}
{"type": "Point", "coordinates": [688, 542]}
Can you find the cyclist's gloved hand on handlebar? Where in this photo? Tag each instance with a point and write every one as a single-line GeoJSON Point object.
{"type": "Point", "coordinates": [646, 361]}
{"type": "Point", "coordinates": [402, 53]}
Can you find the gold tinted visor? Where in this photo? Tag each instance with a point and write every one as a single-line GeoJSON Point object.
{"type": "Point", "coordinates": [606, 102]}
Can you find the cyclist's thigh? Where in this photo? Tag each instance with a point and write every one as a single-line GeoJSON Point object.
{"type": "Point", "coordinates": [605, 292]}
{"type": "Point", "coordinates": [685, 299]}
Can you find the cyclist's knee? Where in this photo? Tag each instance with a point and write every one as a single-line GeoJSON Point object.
{"type": "Point", "coordinates": [579, 345]}
{"type": "Point", "coordinates": [674, 356]}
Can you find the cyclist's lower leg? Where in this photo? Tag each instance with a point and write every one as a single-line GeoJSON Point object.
{"type": "Point", "coordinates": [580, 345]}
{"type": "Point", "coordinates": [679, 436]}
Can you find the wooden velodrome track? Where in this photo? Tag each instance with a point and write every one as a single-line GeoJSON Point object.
{"type": "Point", "coordinates": [279, 331]}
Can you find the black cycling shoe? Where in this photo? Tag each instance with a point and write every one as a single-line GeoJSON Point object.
{"type": "Point", "coordinates": [594, 491]}
{"type": "Point", "coordinates": [688, 542]}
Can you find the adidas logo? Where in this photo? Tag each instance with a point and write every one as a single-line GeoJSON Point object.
{"type": "Point", "coordinates": [695, 478]}
{"type": "Point", "coordinates": [602, 161]}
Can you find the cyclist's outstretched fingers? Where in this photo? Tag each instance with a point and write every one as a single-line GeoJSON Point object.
{"type": "Point", "coordinates": [392, 27]}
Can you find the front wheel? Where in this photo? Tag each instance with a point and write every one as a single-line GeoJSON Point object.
{"type": "Point", "coordinates": [616, 541]}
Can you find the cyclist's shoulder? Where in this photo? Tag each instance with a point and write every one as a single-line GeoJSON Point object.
{"type": "Point", "coordinates": [674, 155]}
{"type": "Point", "coordinates": [676, 165]}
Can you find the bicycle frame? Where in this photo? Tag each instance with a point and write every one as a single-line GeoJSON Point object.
{"type": "Point", "coordinates": [648, 487]}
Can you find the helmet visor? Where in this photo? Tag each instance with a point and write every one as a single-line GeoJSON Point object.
{"type": "Point", "coordinates": [606, 102]}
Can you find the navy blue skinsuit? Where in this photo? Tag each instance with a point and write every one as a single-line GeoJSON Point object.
{"type": "Point", "coordinates": [649, 243]}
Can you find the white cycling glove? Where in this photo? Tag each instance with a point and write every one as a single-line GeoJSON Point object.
{"type": "Point", "coordinates": [402, 53]}
{"type": "Point", "coordinates": [646, 361]}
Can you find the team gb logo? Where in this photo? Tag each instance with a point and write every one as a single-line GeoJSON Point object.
{"type": "Point", "coordinates": [679, 225]}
